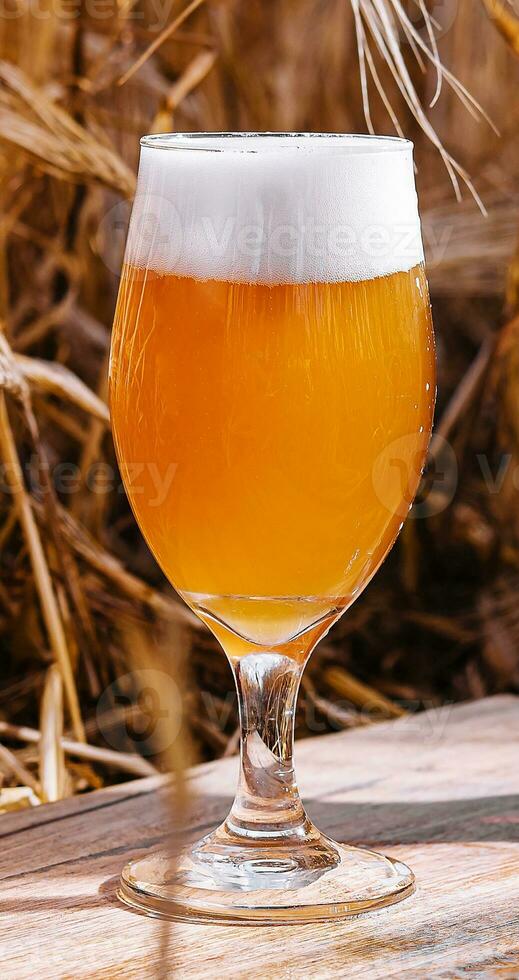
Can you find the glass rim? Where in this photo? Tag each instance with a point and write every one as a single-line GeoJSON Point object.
{"type": "Point", "coordinates": [237, 141]}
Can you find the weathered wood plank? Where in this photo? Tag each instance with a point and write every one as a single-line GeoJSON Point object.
{"type": "Point", "coordinates": [440, 790]}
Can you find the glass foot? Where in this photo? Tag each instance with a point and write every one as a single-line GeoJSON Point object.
{"type": "Point", "coordinates": [221, 880]}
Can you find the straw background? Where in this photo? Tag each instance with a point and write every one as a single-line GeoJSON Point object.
{"type": "Point", "coordinates": [84, 609]}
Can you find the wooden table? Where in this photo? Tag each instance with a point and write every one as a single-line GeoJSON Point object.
{"type": "Point", "coordinates": [439, 789]}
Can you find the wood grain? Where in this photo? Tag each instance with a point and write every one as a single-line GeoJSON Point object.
{"type": "Point", "coordinates": [439, 789]}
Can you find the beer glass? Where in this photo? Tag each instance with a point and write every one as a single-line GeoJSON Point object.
{"type": "Point", "coordinates": [272, 393]}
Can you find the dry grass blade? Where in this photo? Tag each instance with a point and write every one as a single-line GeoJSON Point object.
{"type": "Point", "coordinates": [376, 78]}
{"type": "Point", "coordinates": [91, 510]}
{"type": "Point", "coordinates": [56, 379]}
{"type": "Point", "coordinates": [429, 24]}
{"type": "Point", "coordinates": [37, 330]}
{"type": "Point", "coordinates": [163, 36]}
{"type": "Point", "coordinates": [466, 391]}
{"type": "Point", "coordinates": [124, 761]}
{"type": "Point", "coordinates": [364, 55]}
{"type": "Point", "coordinates": [470, 103]}
{"type": "Point", "coordinates": [382, 18]}
{"type": "Point", "coordinates": [195, 73]}
{"type": "Point", "coordinates": [233, 744]}
{"type": "Point", "coordinates": [14, 798]}
{"type": "Point", "coordinates": [65, 560]}
{"type": "Point", "coordinates": [32, 122]}
{"type": "Point", "coordinates": [467, 253]}
{"type": "Point", "coordinates": [61, 418]}
{"type": "Point", "coordinates": [339, 716]}
{"type": "Point", "coordinates": [362, 695]}
{"type": "Point", "coordinates": [506, 22]}
{"type": "Point", "coordinates": [7, 528]}
{"type": "Point", "coordinates": [11, 376]}
{"type": "Point", "coordinates": [110, 567]}
{"type": "Point", "coordinates": [505, 381]}
{"type": "Point", "coordinates": [10, 764]}
{"type": "Point", "coordinates": [53, 775]}
{"type": "Point", "coordinates": [42, 578]}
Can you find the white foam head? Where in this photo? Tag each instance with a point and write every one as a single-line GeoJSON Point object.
{"type": "Point", "coordinates": [275, 208]}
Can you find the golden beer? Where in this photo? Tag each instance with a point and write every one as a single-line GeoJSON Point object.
{"type": "Point", "coordinates": [271, 437]}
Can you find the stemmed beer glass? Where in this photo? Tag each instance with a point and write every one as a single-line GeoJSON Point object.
{"type": "Point", "coordinates": [273, 369]}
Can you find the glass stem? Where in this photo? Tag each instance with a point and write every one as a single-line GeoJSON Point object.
{"type": "Point", "coordinates": [267, 804]}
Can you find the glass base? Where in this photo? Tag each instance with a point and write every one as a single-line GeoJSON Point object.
{"type": "Point", "coordinates": [224, 880]}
